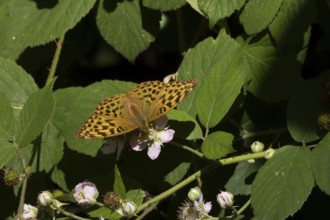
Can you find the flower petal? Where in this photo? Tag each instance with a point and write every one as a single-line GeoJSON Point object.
{"type": "Point", "coordinates": [166, 135]}
{"type": "Point", "coordinates": [154, 150]}
{"type": "Point", "coordinates": [207, 207]}
{"type": "Point", "coordinates": [86, 193]}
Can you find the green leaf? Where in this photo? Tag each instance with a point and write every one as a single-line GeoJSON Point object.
{"type": "Point", "coordinates": [218, 144]}
{"type": "Point", "coordinates": [76, 113]}
{"type": "Point", "coordinates": [15, 83]}
{"type": "Point", "coordinates": [58, 177]}
{"type": "Point", "coordinates": [122, 28]}
{"type": "Point", "coordinates": [237, 182]}
{"type": "Point", "coordinates": [32, 23]}
{"type": "Point", "coordinates": [51, 149]}
{"type": "Point", "coordinates": [292, 21]}
{"type": "Point", "coordinates": [268, 71]}
{"type": "Point", "coordinates": [177, 174]}
{"type": "Point", "coordinates": [216, 10]}
{"type": "Point", "coordinates": [304, 50]}
{"type": "Point", "coordinates": [220, 87]}
{"type": "Point", "coordinates": [136, 196]}
{"type": "Point", "coordinates": [320, 163]}
{"type": "Point", "coordinates": [118, 185]}
{"type": "Point", "coordinates": [6, 118]}
{"type": "Point", "coordinates": [304, 107]}
{"type": "Point", "coordinates": [194, 5]}
{"type": "Point", "coordinates": [7, 152]}
{"type": "Point", "coordinates": [105, 212]}
{"type": "Point", "coordinates": [164, 5]}
{"type": "Point", "coordinates": [34, 115]}
{"type": "Point", "coordinates": [25, 155]}
{"type": "Point", "coordinates": [217, 66]}
{"type": "Point", "coordinates": [185, 126]}
{"type": "Point", "coordinates": [258, 14]}
{"type": "Point", "coordinates": [64, 99]}
{"type": "Point", "coordinates": [283, 184]}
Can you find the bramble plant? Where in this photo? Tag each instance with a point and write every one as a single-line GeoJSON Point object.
{"type": "Point", "coordinates": [250, 140]}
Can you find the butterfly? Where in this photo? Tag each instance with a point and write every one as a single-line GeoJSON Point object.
{"type": "Point", "coordinates": [123, 113]}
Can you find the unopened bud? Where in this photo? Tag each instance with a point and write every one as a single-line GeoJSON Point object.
{"type": "Point", "coordinates": [194, 193]}
{"type": "Point", "coordinates": [129, 208]}
{"type": "Point", "coordinates": [269, 153]}
{"type": "Point", "coordinates": [225, 199]}
{"type": "Point", "coordinates": [45, 198]}
{"type": "Point", "coordinates": [257, 146]}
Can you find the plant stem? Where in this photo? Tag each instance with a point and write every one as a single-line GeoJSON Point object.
{"type": "Point", "coordinates": [22, 197]}
{"type": "Point", "coordinates": [242, 209]}
{"type": "Point", "coordinates": [191, 150]}
{"type": "Point", "coordinates": [236, 159]}
{"type": "Point", "coordinates": [150, 208]}
{"type": "Point", "coordinates": [175, 188]}
{"type": "Point", "coordinates": [69, 214]}
{"type": "Point", "coordinates": [56, 58]}
{"type": "Point", "coordinates": [19, 156]}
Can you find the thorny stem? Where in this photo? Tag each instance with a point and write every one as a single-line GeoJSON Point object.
{"type": "Point", "coordinates": [27, 170]}
{"type": "Point", "coordinates": [26, 176]}
{"type": "Point", "coordinates": [225, 161]}
{"type": "Point", "coordinates": [175, 188]}
{"type": "Point", "coordinates": [24, 185]}
{"type": "Point", "coordinates": [236, 159]}
{"type": "Point", "coordinates": [19, 156]}
{"type": "Point", "coordinates": [242, 209]}
{"type": "Point", "coordinates": [69, 214]}
{"type": "Point", "coordinates": [150, 208]}
{"type": "Point", "coordinates": [56, 58]}
{"type": "Point", "coordinates": [191, 150]}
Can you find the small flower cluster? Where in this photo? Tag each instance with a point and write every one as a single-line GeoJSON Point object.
{"type": "Point", "coordinates": [197, 209]}
{"type": "Point", "coordinates": [157, 135]}
{"type": "Point", "coordinates": [45, 199]}
{"type": "Point", "coordinates": [86, 194]}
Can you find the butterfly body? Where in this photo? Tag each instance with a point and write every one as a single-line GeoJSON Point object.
{"type": "Point", "coordinates": [122, 113]}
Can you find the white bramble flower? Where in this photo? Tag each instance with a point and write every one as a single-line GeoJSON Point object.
{"type": "Point", "coordinates": [157, 135]}
{"type": "Point", "coordinates": [29, 212]}
{"type": "Point", "coordinates": [195, 209]}
{"type": "Point", "coordinates": [187, 211]}
{"type": "Point", "coordinates": [86, 193]}
{"type": "Point", "coordinates": [202, 207]}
